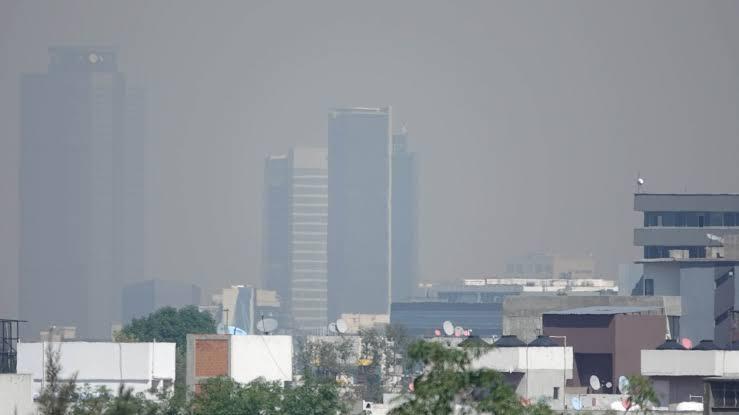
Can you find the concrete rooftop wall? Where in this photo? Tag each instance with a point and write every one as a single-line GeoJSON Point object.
{"type": "Point", "coordinates": [269, 357]}
{"type": "Point", "coordinates": [15, 394]}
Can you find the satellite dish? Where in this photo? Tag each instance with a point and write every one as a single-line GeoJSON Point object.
{"type": "Point", "coordinates": [458, 331]}
{"type": "Point", "coordinates": [437, 332]}
{"type": "Point", "coordinates": [623, 384]}
{"type": "Point", "coordinates": [609, 385]}
{"type": "Point", "coordinates": [267, 325]}
{"type": "Point", "coordinates": [232, 330]}
{"type": "Point", "coordinates": [341, 326]}
{"type": "Point", "coordinates": [576, 403]}
{"type": "Point", "coordinates": [448, 328]}
{"type": "Point", "coordinates": [332, 327]}
{"type": "Point", "coordinates": [640, 181]}
{"type": "Point", "coordinates": [686, 343]}
{"type": "Point", "coordinates": [594, 383]}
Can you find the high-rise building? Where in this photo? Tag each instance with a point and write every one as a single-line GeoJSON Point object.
{"type": "Point", "coordinates": [295, 236]}
{"type": "Point", "coordinates": [404, 219]}
{"type": "Point", "coordinates": [80, 190]}
{"type": "Point", "coordinates": [143, 298]}
{"type": "Point", "coordinates": [359, 211]}
{"type": "Point", "coordinates": [689, 245]}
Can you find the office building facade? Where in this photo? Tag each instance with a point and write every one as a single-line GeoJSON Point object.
{"type": "Point", "coordinates": [80, 193]}
{"type": "Point", "coordinates": [404, 219]}
{"type": "Point", "coordinates": [687, 252]}
{"type": "Point", "coordinates": [296, 224]}
{"type": "Point", "coordinates": [359, 238]}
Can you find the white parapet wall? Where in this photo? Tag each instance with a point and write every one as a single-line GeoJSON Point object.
{"type": "Point", "coordinates": [689, 363]}
{"type": "Point", "coordinates": [140, 366]}
{"type": "Point", "coordinates": [15, 394]}
{"type": "Point", "coordinates": [267, 357]}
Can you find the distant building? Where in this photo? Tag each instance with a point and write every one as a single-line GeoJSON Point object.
{"type": "Point", "coordinates": [357, 322]}
{"type": "Point", "coordinates": [359, 238]}
{"type": "Point", "coordinates": [522, 315]}
{"type": "Point", "coordinates": [607, 341]}
{"type": "Point", "coordinates": [143, 367]}
{"type": "Point", "coordinates": [295, 236]}
{"type": "Point", "coordinates": [243, 306]}
{"type": "Point", "coordinates": [404, 219]}
{"type": "Point", "coordinates": [551, 267]}
{"type": "Point", "coordinates": [143, 298]}
{"type": "Point", "coordinates": [81, 189]}
{"type": "Point", "coordinates": [242, 358]}
{"type": "Point", "coordinates": [422, 318]}
{"type": "Point", "coordinates": [688, 252]}
{"type": "Point", "coordinates": [59, 334]}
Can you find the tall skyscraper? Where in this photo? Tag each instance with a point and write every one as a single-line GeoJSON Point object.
{"type": "Point", "coordinates": [359, 253]}
{"type": "Point", "coordinates": [80, 191]}
{"type": "Point", "coordinates": [404, 219]}
{"type": "Point", "coordinates": [295, 235]}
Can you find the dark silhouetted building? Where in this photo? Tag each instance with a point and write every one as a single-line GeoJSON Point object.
{"type": "Point", "coordinates": [359, 252]}
{"type": "Point", "coordinates": [81, 185]}
{"type": "Point", "coordinates": [143, 298]}
{"type": "Point", "coordinates": [404, 219]}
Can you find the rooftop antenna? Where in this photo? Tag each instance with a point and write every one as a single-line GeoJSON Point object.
{"type": "Point", "coordinates": [639, 182]}
{"type": "Point", "coordinates": [594, 383]}
{"type": "Point", "coordinates": [448, 328]}
{"type": "Point", "coordinates": [341, 326]}
{"type": "Point", "coordinates": [267, 325]}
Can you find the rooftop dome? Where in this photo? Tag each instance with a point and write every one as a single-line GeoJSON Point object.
{"type": "Point", "coordinates": [706, 345]}
{"type": "Point", "coordinates": [671, 344]}
{"type": "Point", "coordinates": [509, 341]}
{"type": "Point", "coordinates": [543, 341]}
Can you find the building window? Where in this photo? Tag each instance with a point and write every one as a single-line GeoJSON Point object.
{"type": "Point", "coordinates": [649, 286]}
{"type": "Point", "coordinates": [555, 393]}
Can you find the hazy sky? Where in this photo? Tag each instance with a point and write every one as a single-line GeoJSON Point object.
{"type": "Point", "coordinates": [531, 119]}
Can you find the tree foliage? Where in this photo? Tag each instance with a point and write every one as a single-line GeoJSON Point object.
{"type": "Point", "coordinates": [641, 392]}
{"type": "Point", "coordinates": [168, 324]}
{"type": "Point", "coordinates": [58, 395]}
{"type": "Point", "coordinates": [448, 384]}
{"type": "Point", "coordinates": [223, 396]}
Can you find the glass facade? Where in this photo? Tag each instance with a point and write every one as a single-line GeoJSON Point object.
{"type": "Point", "coordinates": [422, 318]}
{"type": "Point", "coordinates": [691, 219]}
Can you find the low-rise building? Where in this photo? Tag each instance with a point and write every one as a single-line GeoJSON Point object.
{"type": "Point", "coordinates": [242, 358]}
{"type": "Point", "coordinates": [15, 394]}
{"type": "Point", "coordinates": [140, 366]}
{"type": "Point", "coordinates": [607, 341]}
{"type": "Point", "coordinates": [537, 371]}
{"type": "Point", "coordinates": [679, 375]}
{"type": "Point", "coordinates": [357, 322]}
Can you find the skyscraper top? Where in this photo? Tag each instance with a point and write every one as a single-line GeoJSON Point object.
{"type": "Point", "coordinates": [83, 59]}
{"type": "Point", "coordinates": [359, 110]}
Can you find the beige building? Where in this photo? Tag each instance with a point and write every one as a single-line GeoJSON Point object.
{"type": "Point", "coordinates": [551, 266]}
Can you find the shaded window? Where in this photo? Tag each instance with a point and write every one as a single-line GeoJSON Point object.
{"type": "Point", "coordinates": [649, 286]}
{"type": "Point", "coordinates": [650, 219]}
{"type": "Point", "coordinates": [555, 393]}
{"type": "Point", "coordinates": [715, 219]}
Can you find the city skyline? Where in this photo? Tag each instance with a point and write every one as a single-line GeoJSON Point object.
{"type": "Point", "coordinates": [532, 129]}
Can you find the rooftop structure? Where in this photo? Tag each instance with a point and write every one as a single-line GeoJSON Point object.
{"type": "Point", "coordinates": [9, 335]}
{"type": "Point", "coordinates": [144, 367]}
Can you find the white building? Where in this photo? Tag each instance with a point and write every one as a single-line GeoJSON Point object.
{"type": "Point", "coordinates": [242, 358]}
{"type": "Point", "coordinates": [15, 394]}
{"type": "Point", "coordinates": [536, 373]}
{"type": "Point", "coordinates": [140, 366]}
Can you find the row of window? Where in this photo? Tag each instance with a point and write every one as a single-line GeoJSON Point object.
{"type": "Point", "coordinates": [652, 251]}
{"type": "Point", "coordinates": [691, 219]}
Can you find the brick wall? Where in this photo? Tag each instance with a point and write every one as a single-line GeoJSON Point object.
{"type": "Point", "coordinates": [211, 357]}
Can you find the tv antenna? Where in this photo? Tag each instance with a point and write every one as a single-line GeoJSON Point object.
{"type": "Point", "coordinates": [267, 325]}
{"type": "Point", "coordinates": [594, 383]}
{"type": "Point", "coordinates": [341, 326]}
{"type": "Point", "coordinates": [448, 328]}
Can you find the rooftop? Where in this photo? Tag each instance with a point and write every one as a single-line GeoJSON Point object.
{"type": "Point", "coordinates": [603, 310]}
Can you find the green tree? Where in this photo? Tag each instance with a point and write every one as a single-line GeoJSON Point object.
{"type": "Point", "coordinates": [641, 392]}
{"type": "Point", "coordinates": [312, 398]}
{"type": "Point", "coordinates": [91, 401]}
{"type": "Point", "coordinates": [58, 395]}
{"type": "Point", "coordinates": [449, 382]}
{"type": "Point", "coordinates": [223, 396]}
{"type": "Point", "coordinates": [169, 324]}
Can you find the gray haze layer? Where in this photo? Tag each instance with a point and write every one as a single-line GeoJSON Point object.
{"type": "Point", "coordinates": [530, 120]}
